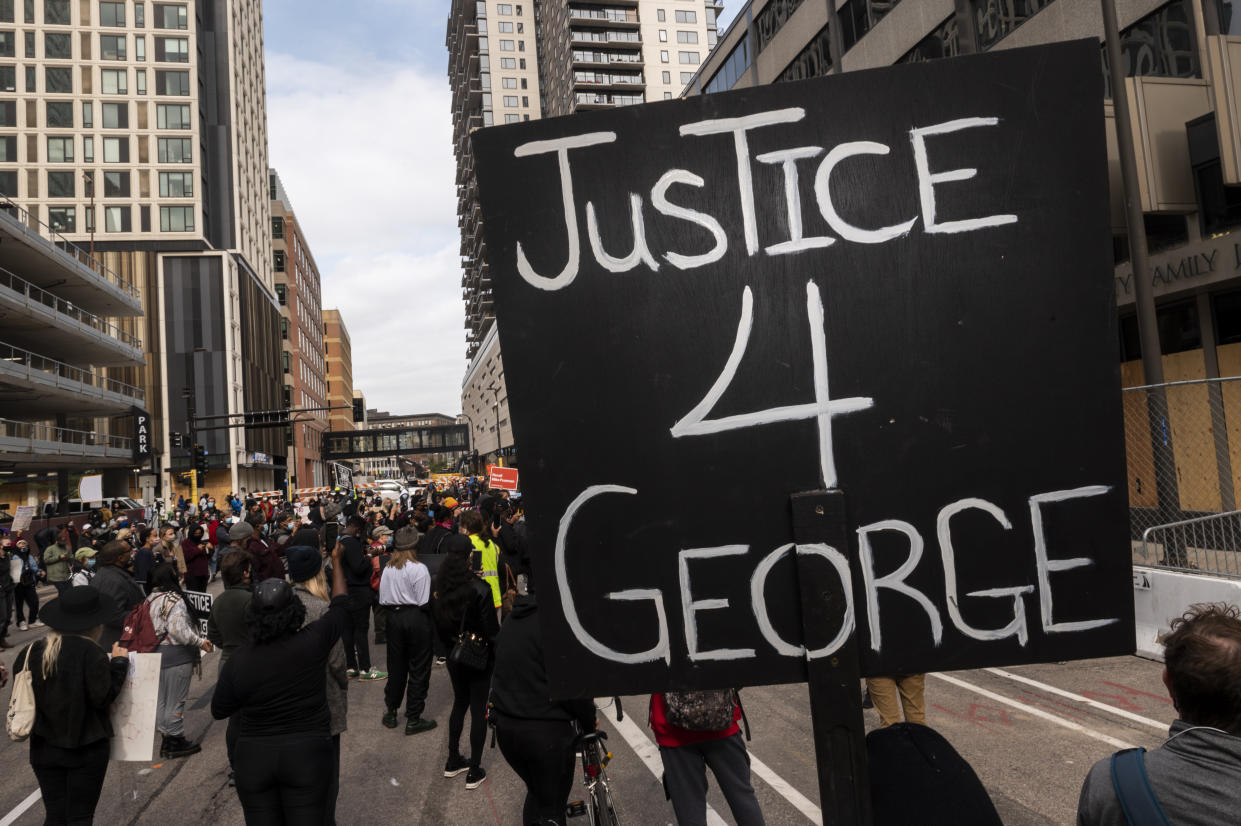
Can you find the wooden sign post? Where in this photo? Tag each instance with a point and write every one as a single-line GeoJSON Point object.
{"type": "Point", "coordinates": [891, 285]}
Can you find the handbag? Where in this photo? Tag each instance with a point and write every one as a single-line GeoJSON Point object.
{"type": "Point", "coordinates": [20, 719]}
{"type": "Point", "coordinates": [510, 591]}
{"type": "Point", "coordinates": [470, 650]}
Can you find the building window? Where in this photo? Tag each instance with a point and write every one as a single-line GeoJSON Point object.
{"type": "Point", "coordinates": [114, 81]}
{"type": "Point", "coordinates": [115, 115]}
{"type": "Point", "coordinates": [112, 14]}
{"type": "Point", "coordinates": [506, 45]}
{"type": "Point", "coordinates": [663, 35]}
{"type": "Point", "coordinates": [62, 219]}
{"type": "Point", "coordinates": [997, 19]}
{"type": "Point", "coordinates": [815, 60]}
{"type": "Point", "coordinates": [280, 294]}
{"type": "Point", "coordinates": [945, 41]}
{"type": "Point", "coordinates": [512, 118]}
{"type": "Point", "coordinates": [505, 27]}
{"type": "Point", "coordinates": [176, 219]}
{"type": "Point", "coordinates": [58, 80]}
{"type": "Point", "coordinates": [8, 152]}
{"type": "Point", "coordinates": [277, 227]}
{"type": "Point", "coordinates": [60, 150]}
{"type": "Point", "coordinates": [61, 184]}
{"type": "Point", "coordinates": [6, 11]}
{"type": "Point", "coordinates": [172, 82]}
{"type": "Point", "coordinates": [284, 358]}
{"type": "Point", "coordinates": [660, 15]}
{"type": "Point", "coordinates": [510, 100]}
{"type": "Point", "coordinates": [170, 17]}
{"type": "Point", "coordinates": [521, 45]}
{"type": "Point", "coordinates": [504, 8]}
{"type": "Point", "coordinates": [172, 49]}
{"type": "Point", "coordinates": [1227, 307]}
{"type": "Point", "coordinates": [30, 41]}
{"type": "Point", "coordinates": [8, 44]}
{"type": "Point", "coordinates": [140, 16]}
{"type": "Point", "coordinates": [176, 184]}
{"type": "Point", "coordinates": [687, 37]}
{"type": "Point", "coordinates": [284, 329]}
{"type": "Point", "coordinates": [56, 12]}
{"type": "Point", "coordinates": [117, 219]}
{"type": "Point", "coordinates": [60, 114]}
{"type": "Point", "coordinates": [88, 115]}
{"type": "Point", "coordinates": [687, 17]}
{"type": "Point", "coordinates": [140, 75]}
{"type": "Point", "coordinates": [116, 184]}
{"type": "Point", "coordinates": [509, 82]}
{"type": "Point", "coordinates": [116, 150]}
{"type": "Point", "coordinates": [89, 214]}
{"type": "Point", "coordinates": [173, 150]}
{"type": "Point", "coordinates": [172, 116]}
{"type": "Point", "coordinates": [8, 113]}
{"type": "Point", "coordinates": [8, 79]}
{"type": "Point", "coordinates": [8, 182]}
{"type": "Point", "coordinates": [140, 48]}
{"type": "Point", "coordinates": [88, 149]}
{"type": "Point", "coordinates": [277, 260]}
{"type": "Point", "coordinates": [1161, 44]}
{"type": "Point", "coordinates": [663, 56]}
{"type": "Point", "coordinates": [112, 46]}
{"type": "Point", "coordinates": [686, 77]}
{"type": "Point", "coordinates": [688, 57]}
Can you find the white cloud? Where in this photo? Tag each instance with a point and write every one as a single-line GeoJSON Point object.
{"type": "Point", "coordinates": [365, 152]}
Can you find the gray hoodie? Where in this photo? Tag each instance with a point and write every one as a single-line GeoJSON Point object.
{"type": "Point", "coordinates": [1195, 774]}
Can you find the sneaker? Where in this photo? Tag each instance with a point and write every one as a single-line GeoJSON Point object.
{"type": "Point", "coordinates": [373, 675]}
{"type": "Point", "coordinates": [178, 746]}
{"type": "Point", "coordinates": [417, 725]}
{"type": "Point", "coordinates": [389, 720]}
{"type": "Point", "coordinates": [455, 766]}
{"type": "Point", "coordinates": [22, 626]}
{"type": "Point", "coordinates": [475, 777]}
{"type": "Point", "coordinates": [351, 673]}
{"type": "Point", "coordinates": [37, 624]}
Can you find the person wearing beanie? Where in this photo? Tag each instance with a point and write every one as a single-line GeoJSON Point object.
{"type": "Point", "coordinates": [310, 586]}
{"type": "Point", "coordinates": [404, 591]}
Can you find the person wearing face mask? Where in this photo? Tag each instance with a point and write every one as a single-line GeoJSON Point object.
{"type": "Point", "coordinates": [83, 567]}
{"type": "Point", "coordinates": [144, 557]}
{"type": "Point", "coordinates": [380, 553]}
{"type": "Point", "coordinates": [117, 587]}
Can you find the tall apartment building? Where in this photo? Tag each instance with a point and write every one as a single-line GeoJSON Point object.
{"type": "Point", "coordinates": [62, 412]}
{"type": "Point", "coordinates": [597, 54]}
{"type": "Point", "coordinates": [139, 129]}
{"type": "Point", "coordinates": [301, 332]}
{"type": "Point", "coordinates": [339, 376]}
{"type": "Point", "coordinates": [1182, 59]}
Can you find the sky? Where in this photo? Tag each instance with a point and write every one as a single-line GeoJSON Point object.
{"type": "Point", "coordinates": [360, 132]}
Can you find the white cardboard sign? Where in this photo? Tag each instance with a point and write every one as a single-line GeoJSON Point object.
{"type": "Point", "coordinates": [133, 711]}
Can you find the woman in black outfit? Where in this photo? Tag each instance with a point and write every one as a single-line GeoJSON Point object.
{"type": "Point", "coordinates": [536, 735]}
{"type": "Point", "coordinates": [74, 684]}
{"type": "Point", "coordinates": [283, 760]}
{"type": "Point", "coordinates": [460, 596]}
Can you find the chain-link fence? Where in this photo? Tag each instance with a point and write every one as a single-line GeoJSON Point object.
{"type": "Point", "coordinates": [1183, 445]}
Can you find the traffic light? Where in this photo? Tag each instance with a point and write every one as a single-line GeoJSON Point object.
{"type": "Point", "coordinates": [200, 458]}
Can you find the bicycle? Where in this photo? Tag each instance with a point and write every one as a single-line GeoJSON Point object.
{"type": "Point", "coordinates": [598, 805]}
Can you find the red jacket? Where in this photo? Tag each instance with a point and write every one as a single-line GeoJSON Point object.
{"type": "Point", "coordinates": [667, 734]}
{"type": "Point", "coordinates": [195, 558]}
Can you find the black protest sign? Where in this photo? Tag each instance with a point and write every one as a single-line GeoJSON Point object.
{"type": "Point", "coordinates": [199, 604]}
{"type": "Point", "coordinates": [893, 282]}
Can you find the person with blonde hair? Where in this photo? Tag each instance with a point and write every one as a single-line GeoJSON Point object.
{"type": "Point", "coordinates": [404, 591]}
{"type": "Point", "coordinates": [74, 684]}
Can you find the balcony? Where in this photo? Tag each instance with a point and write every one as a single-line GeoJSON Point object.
{"type": "Point", "coordinates": [33, 386]}
{"type": "Point", "coordinates": [45, 447]}
{"type": "Point", "coordinates": [613, 38]}
{"type": "Point", "coordinates": [47, 259]}
{"type": "Point", "coordinates": [34, 317]}
{"type": "Point", "coordinates": [589, 100]}
{"type": "Point", "coordinates": [609, 18]}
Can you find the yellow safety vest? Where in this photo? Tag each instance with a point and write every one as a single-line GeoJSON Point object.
{"type": "Point", "coordinates": [489, 565]}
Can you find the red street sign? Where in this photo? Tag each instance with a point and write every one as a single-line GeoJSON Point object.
{"type": "Point", "coordinates": [504, 478]}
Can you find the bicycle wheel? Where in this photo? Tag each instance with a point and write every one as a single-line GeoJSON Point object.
{"type": "Point", "coordinates": [603, 810]}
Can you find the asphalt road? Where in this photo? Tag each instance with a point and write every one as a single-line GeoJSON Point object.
{"type": "Point", "coordinates": [1031, 733]}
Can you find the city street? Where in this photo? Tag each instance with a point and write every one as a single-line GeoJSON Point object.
{"type": "Point", "coordinates": [1031, 733]}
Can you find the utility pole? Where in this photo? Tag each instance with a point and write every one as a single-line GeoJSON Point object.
{"type": "Point", "coordinates": [190, 428]}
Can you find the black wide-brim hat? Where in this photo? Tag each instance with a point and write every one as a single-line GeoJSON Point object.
{"type": "Point", "coordinates": [78, 609]}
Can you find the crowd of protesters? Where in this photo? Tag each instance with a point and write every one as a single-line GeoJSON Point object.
{"type": "Point", "coordinates": [446, 578]}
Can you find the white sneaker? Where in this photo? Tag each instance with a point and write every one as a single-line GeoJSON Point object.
{"type": "Point", "coordinates": [21, 626]}
{"type": "Point", "coordinates": [37, 624]}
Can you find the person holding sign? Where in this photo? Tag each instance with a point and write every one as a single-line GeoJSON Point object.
{"type": "Point", "coordinates": [179, 646]}
{"type": "Point", "coordinates": [74, 684]}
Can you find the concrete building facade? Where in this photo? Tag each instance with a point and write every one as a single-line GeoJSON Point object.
{"type": "Point", "coordinates": [301, 333]}
{"type": "Point", "coordinates": [139, 129]}
{"type": "Point", "coordinates": [484, 405]}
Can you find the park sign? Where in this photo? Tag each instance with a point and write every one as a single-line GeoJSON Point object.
{"type": "Point", "coordinates": [892, 283]}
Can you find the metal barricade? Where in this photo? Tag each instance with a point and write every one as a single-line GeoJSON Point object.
{"type": "Point", "coordinates": [1204, 545]}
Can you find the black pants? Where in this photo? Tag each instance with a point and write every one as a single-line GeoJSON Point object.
{"type": "Point", "coordinates": [541, 753]}
{"type": "Point", "coordinates": [196, 583]}
{"type": "Point", "coordinates": [70, 780]}
{"type": "Point", "coordinates": [469, 692]}
{"type": "Point", "coordinates": [283, 781]}
{"type": "Point", "coordinates": [6, 610]}
{"type": "Point", "coordinates": [26, 597]}
{"type": "Point", "coordinates": [409, 658]}
{"type": "Point", "coordinates": [381, 623]}
{"type": "Point", "coordinates": [333, 787]}
{"type": "Point", "coordinates": [357, 646]}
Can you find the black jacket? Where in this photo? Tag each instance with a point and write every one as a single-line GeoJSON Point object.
{"type": "Point", "coordinates": [519, 683]}
{"type": "Point", "coordinates": [123, 592]}
{"type": "Point", "coordinates": [355, 561]}
{"type": "Point", "coordinates": [71, 708]}
{"type": "Point", "coordinates": [480, 616]}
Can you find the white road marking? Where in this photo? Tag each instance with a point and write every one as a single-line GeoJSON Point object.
{"type": "Point", "coordinates": [1051, 689]}
{"type": "Point", "coordinates": [648, 753]}
{"type": "Point", "coordinates": [800, 802]}
{"type": "Point", "coordinates": [1037, 712]}
{"type": "Point", "coordinates": [20, 809]}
